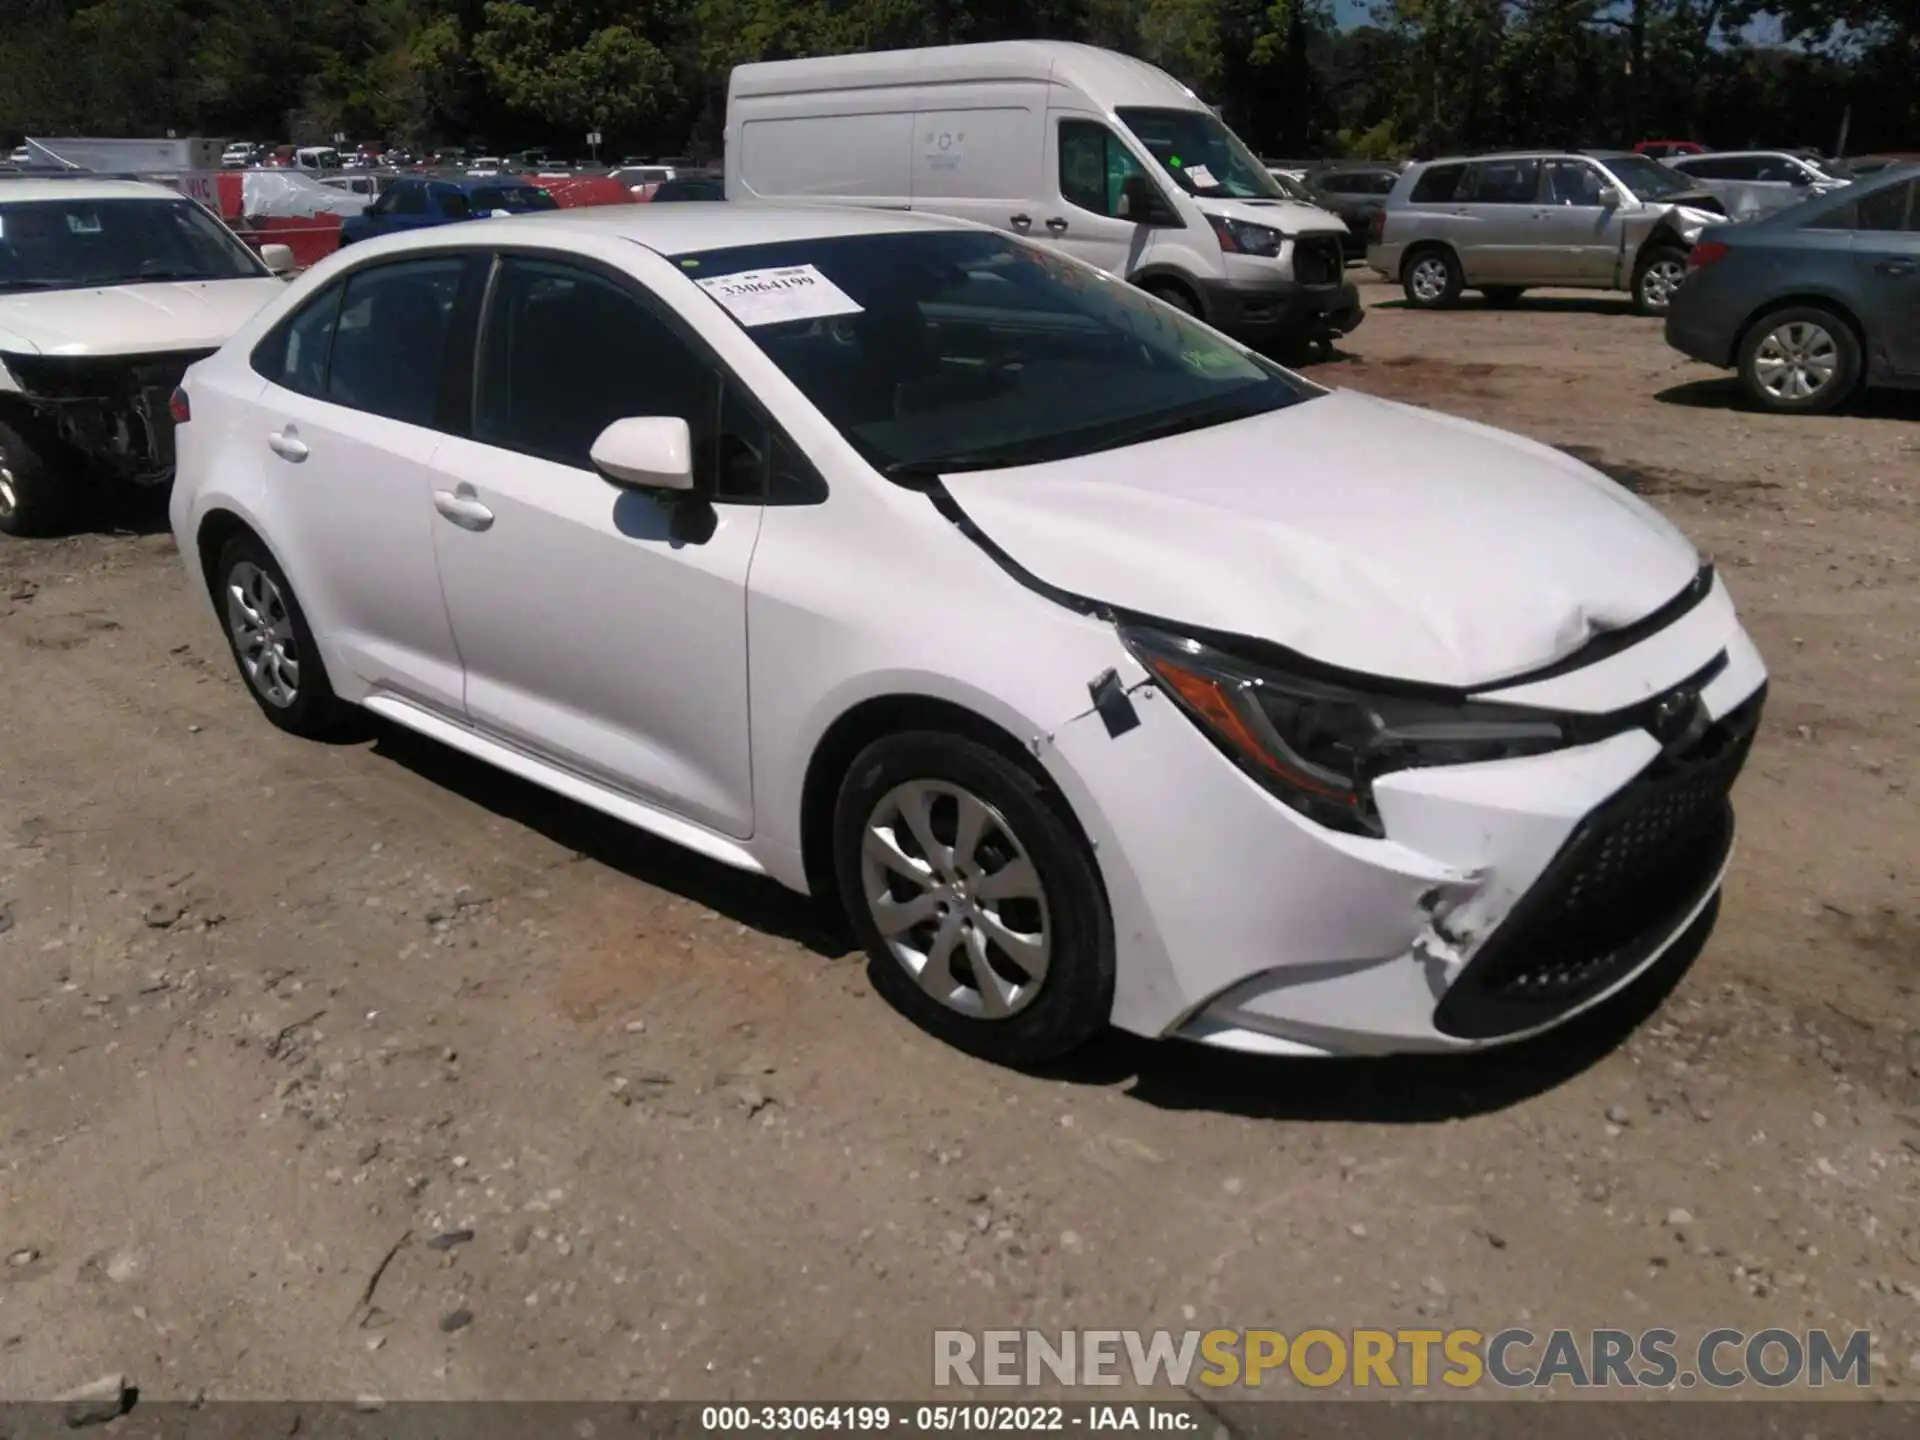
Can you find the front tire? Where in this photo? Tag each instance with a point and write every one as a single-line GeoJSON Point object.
{"type": "Point", "coordinates": [1432, 279]}
{"type": "Point", "coordinates": [1800, 361]}
{"type": "Point", "coordinates": [271, 642]}
{"type": "Point", "coordinates": [1662, 271]}
{"type": "Point", "coordinates": [976, 899]}
{"type": "Point", "coordinates": [1178, 296]}
{"type": "Point", "coordinates": [36, 483]}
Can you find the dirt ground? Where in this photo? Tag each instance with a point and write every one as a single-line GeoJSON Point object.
{"type": "Point", "coordinates": [359, 1069]}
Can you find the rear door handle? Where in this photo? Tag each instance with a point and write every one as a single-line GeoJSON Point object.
{"type": "Point", "coordinates": [468, 514]}
{"type": "Point", "coordinates": [288, 445]}
{"type": "Point", "coordinates": [1057, 225]}
{"type": "Point", "coordinates": [1895, 267]}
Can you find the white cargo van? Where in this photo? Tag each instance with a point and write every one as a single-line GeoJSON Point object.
{"type": "Point", "coordinates": [1098, 154]}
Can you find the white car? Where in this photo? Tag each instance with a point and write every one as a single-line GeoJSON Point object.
{"type": "Point", "coordinates": [1101, 669]}
{"type": "Point", "coordinates": [109, 289]}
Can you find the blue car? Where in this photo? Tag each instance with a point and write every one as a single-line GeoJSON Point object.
{"type": "Point", "coordinates": [415, 202]}
{"type": "Point", "coordinates": [1811, 303]}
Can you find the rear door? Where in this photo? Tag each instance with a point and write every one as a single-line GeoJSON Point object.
{"type": "Point", "coordinates": [1886, 254]}
{"type": "Point", "coordinates": [985, 164]}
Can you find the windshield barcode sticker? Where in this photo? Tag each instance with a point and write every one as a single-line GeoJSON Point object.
{"type": "Point", "coordinates": [772, 297]}
{"type": "Point", "coordinates": [1201, 177]}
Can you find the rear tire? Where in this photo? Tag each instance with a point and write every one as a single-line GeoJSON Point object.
{"type": "Point", "coordinates": [950, 856]}
{"type": "Point", "coordinates": [1803, 360]}
{"type": "Point", "coordinates": [1662, 270]}
{"type": "Point", "coordinates": [1432, 278]}
{"type": "Point", "coordinates": [36, 481]}
{"type": "Point", "coordinates": [271, 642]}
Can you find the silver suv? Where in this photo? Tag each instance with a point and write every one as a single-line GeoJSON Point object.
{"type": "Point", "coordinates": [1758, 182]}
{"type": "Point", "coordinates": [1595, 220]}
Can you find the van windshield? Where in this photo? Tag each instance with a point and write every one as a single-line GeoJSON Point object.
{"type": "Point", "coordinates": [1202, 155]}
{"type": "Point", "coordinates": [941, 351]}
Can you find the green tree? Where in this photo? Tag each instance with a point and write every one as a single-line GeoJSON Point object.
{"type": "Point", "coordinates": [573, 64]}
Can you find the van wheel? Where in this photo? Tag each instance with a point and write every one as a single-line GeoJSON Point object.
{"type": "Point", "coordinates": [1178, 296]}
{"type": "Point", "coordinates": [1800, 361]}
{"type": "Point", "coordinates": [977, 902]}
{"type": "Point", "coordinates": [1662, 270]}
{"type": "Point", "coordinates": [1432, 279]}
{"type": "Point", "coordinates": [36, 483]}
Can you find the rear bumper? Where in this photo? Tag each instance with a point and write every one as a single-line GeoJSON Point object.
{"type": "Point", "coordinates": [1281, 309]}
{"type": "Point", "coordinates": [1698, 337]}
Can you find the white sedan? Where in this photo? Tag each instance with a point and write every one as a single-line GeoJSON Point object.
{"type": "Point", "coordinates": [1102, 671]}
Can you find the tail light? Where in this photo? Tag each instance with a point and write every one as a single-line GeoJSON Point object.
{"type": "Point", "coordinates": [1706, 253]}
{"type": "Point", "coordinates": [179, 407]}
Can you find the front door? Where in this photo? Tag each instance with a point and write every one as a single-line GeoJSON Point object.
{"type": "Point", "coordinates": [1086, 166]}
{"type": "Point", "coordinates": [1886, 252]}
{"type": "Point", "coordinates": [603, 629]}
{"type": "Point", "coordinates": [1576, 238]}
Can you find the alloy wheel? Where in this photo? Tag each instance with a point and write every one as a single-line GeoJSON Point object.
{"type": "Point", "coordinates": [1796, 361]}
{"type": "Point", "coordinates": [956, 898]}
{"type": "Point", "coordinates": [263, 635]}
{"type": "Point", "coordinates": [9, 497]}
{"type": "Point", "coordinates": [1661, 279]}
{"type": "Point", "coordinates": [1429, 278]}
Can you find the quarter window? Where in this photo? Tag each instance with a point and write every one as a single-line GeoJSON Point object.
{"type": "Point", "coordinates": [1093, 166]}
{"type": "Point", "coordinates": [294, 355]}
{"type": "Point", "coordinates": [1887, 209]}
{"type": "Point", "coordinates": [391, 334]}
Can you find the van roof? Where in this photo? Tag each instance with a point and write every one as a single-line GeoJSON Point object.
{"type": "Point", "coordinates": [1112, 78]}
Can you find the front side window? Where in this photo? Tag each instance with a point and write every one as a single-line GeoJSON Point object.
{"type": "Point", "coordinates": [391, 335]}
{"type": "Point", "coordinates": [1502, 182]}
{"type": "Point", "coordinates": [515, 198]}
{"type": "Point", "coordinates": [1094, 165]}
{"type": "Point", "coordinates": [454, 205]}
{"type": "Point", "coordinates": [943, 351]}
{"type": "Point", "coordinates": [1648, 179]}
{"type": "Point", "coordinates": [77, 243]}
{"type": "Point", "coordinates": [1202, 155]}
{"type": "Point", "coordinates": [406, 200]}
{"type": "Point", "coordinates": [565, 352]}
{"type": "Point", "coordinates": [1571, 182]}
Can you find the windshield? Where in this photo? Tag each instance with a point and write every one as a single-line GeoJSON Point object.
{"type": "Point", "coordinates": [1202, 155]}
{"type": "Point", "coordinates": [1649, 179]}
{"type": "Point", "coordinates": [513, 197]}
{"type": "Point", "coordinates": [946, 351]}
{"type": "Point", "coordinates": [68, 244]}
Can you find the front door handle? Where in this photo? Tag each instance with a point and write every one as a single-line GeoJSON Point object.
{"type": "Point", "coordinates": [1020, 222]}
{"type": "Point", "coordinates": [288, 445]}
{"type": "Point", "coordinates": [468, 514]}
{"type": "Point", "coordinates": [1057, 225]}
{"type": "Point", "coordinates": [1895, 267]}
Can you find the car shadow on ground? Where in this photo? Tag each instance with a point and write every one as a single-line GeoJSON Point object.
{"type": "Point", "coordinates": [1596, 304]}
{"type": "Point", "coordinates": [751, 900]}
{"type": "Point", "coordinates": [1723, 392]}
{"type": "Point", "coordinates": [1388, 1090]}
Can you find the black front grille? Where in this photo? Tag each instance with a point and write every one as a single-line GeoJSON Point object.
{"type": "Point", "coordinates": [1317, 260]}
{"type": "Point", "coordinates": [1619, 887]}
{"type": "Point", "coordinates": [100, 377]}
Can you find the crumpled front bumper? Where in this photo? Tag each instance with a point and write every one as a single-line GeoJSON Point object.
{"type": "Point", "coordinates": [1241, 924]}
{"type": "Point", "coordinates": [1272, 310]}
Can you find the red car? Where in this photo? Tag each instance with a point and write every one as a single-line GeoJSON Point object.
{"type": "Point", "coordinates": [1667, 149]}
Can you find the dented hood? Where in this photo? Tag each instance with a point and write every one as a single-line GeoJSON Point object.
{"type": "Point", "coordinates": [1365, 534]}
{"type": "Point", "coordinates": [131, 319]}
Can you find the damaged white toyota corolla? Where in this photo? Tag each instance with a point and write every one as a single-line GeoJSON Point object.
{"type": "Point", "coordinates": [1099, 669]}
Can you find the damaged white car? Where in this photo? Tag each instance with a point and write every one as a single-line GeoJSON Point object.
{"type": "Point", "coordinates": [1101, 670]}
{"type": "Point", "coordinates": [108, 291]}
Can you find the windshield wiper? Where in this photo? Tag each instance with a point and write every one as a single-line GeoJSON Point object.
{"type": "Point", "coordinates": [161, 276]}
{"type": "Point", "coordinates": [938, 465]}
{"type": "Point", "coordinates": [35, 283]}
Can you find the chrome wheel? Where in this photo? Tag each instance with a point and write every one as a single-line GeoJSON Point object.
{"type": "Point", "coordinates": [9, 500]}
{"type": "Point", "coordinates": [956, 898]}
{"type": "Point", "coordinates": [1429, 279]}
{"type": "Point", "coordinates": [1659, 281]}
{"type": "Point", "coordinates": [263, 634]}
{"type": "Point", "coordinates": [1796, 361]}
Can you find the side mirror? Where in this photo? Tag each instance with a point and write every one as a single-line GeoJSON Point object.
{"type": "Point", "coordinates": [1608, 198]}
{"type": "Point", "coordinates": [1800, 178]}
{"type": "Point", "coordinates": [279, 259]}
{"type": "Point", "coordinates": [653, 452]}
{"type": "Point", "coordinates": [1140, 202]}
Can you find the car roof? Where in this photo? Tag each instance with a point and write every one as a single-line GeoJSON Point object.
{"type": "Point", "coordinates": [25, 188]}
{"type": "Point", "coordinates": [1117, 79]}
{"type": "Point", "coordinates": [671, 230]}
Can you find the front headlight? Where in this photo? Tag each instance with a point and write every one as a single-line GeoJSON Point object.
{"type": "Point", "coordinates": [1243, 237]}
{"type": "Point", "coordinates": [1318, 746]}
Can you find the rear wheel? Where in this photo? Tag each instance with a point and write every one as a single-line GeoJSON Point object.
{"type": "Point", "coordinates": [1801, 361]}
{"type": "Point", "coordinates": [1662, 271]}
{"type": "Point", "coordinates": [271, 642]}
{"type": "Point", "coordinates": [36, 481]}
{"type": "Point", "coordinates": [977, 901]}
{"type": "Point", "coordinates": [1432, 279]}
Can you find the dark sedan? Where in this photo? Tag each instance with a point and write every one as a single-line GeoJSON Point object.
{"type": "Point", "coordinates": [1356, 193]}
{"type": "Point", "coordinates": [1810, 303]}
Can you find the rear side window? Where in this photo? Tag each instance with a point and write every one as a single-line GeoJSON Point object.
{"type": "Point", "coordinates": [1723, 168]}
{"type": "Point", "coordinates": [1889, 209]}
{"type": "Point", "coordinates": [392, 330]}
{"type": "Point", "coordinates": [294, 354]}
{"type": "Point", "coordinates": [454, 205]}
{"type": "Point", "coordinates": [1502, 182]}
{"type": "Point", "coordinates": [1437, 184]}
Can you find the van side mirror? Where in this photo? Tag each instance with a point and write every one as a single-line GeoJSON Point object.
{"type": "Point", "coordinates": [278, 259]}
{"type": "Point", "coordinates": [1141, 201]}
{"type": "Point", "coordinates": [652, 452]}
